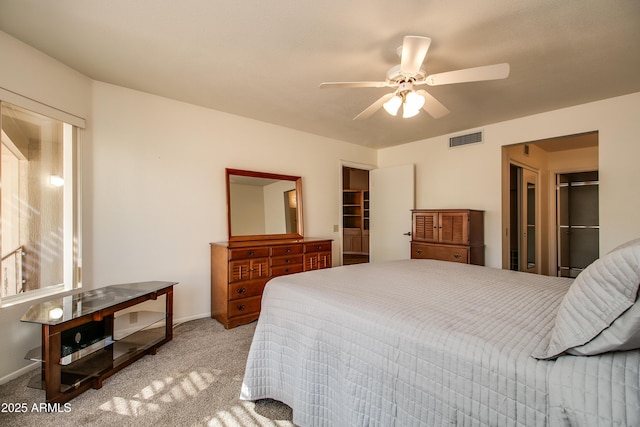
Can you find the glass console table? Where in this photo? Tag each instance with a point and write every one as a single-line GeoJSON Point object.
{"type": "Point", "coordinates": [89, 336]}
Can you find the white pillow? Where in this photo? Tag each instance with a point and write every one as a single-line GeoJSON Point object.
{"type": "Point", "coordinates": [623, 334]}
{"type": "Point", "coordinates": [590, 318]}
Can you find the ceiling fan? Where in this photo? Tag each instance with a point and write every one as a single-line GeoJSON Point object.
{"type": "Point", "coordinates": [409, 73]}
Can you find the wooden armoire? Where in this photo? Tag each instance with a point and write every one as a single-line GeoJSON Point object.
{"type": "Point", "coordinates": [455, 235]}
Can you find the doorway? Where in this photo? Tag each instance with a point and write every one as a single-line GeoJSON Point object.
{"type": "Point", "coordinates": [290, 211]}
{"type": "Point", "coordinates": [563, 166]}
{"type": "Point", "coordinates": [355, 215]}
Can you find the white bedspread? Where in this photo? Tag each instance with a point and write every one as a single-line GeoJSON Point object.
{"type": "Point", "coordinates": [416, 342]}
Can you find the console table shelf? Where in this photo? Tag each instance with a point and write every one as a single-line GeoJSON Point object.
{"type": "Point", "coordinates": [89, 336]}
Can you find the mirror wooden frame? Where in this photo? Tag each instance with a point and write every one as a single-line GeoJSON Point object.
{"type": "Point", "coordinates": [299, 217]}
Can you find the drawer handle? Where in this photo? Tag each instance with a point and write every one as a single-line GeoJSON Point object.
{"type": "Point", "coordinates": [287, 250]}
{"type": "Point", "coordinates": [241, 290]}
{"type": "Point", "coordinates": [287, 261]}
{"type": "Point", "coordinates": [318, 247]}
{"type": "Point", "coordinates": [457, 256]}
{"type": "Point", "coordinates": [286, 270]}
{"type": "Point", "coordinates": [419, 252]}
{"type": "Point", "coordinates": [240, 307]}
{"type": "Point", "coordinates": [250, 253]}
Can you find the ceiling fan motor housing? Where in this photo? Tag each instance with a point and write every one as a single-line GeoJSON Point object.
{"type": "Point", "coordinates": [405, 87]}
{"type": "Point", "coordinates": [395, 75]}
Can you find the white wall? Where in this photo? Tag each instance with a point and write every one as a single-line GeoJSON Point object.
{"type": "Point", "coordinates": [156, 170]}
{"type": "Point", "coordinates": [34, 75]}
{"type": "Point", "coordinates": [470, 176]}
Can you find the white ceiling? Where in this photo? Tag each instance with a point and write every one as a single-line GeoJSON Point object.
{"type": "Point", "coordinates": [265, 59]}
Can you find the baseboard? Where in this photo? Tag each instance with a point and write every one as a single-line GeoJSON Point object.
{"type": "Point", "coordinates": [19, 372]}
{"type": "Point", "coordinates": [189, 318]}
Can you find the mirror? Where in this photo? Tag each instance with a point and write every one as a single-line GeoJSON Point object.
{"type": "Point", "coordinates": [263, 205]}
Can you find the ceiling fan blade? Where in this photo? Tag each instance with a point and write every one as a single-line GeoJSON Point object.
{"type": "Point", "coordinates": [432, 105]}
{"type": "Point", "coordinates": [330, 85]}
{"type": "Point", "coordinates": [488, 72]}
{"type": "Point", "coordinates": [374, 107]}
{"type": "Point", "coordinates": [414, 49]}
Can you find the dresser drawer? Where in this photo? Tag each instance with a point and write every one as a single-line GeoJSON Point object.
{"type": "Point", "coordinates": [286, 250]}
{"type": "Point", "coordinates": [245, 253]}
{"type": "Point", "coordinates": [246, 289]}
{"type": "Point", "coordinates": [244, 306]}
{"type": "Point", "coordinates": [317, 260]}
{"type": "Point", "coordinates": [286, 269]}
{"type": "Point", "coordinates": [317, 247]}
{"type": "Point", "coordinates": [286, 260]}
{"type": "Point", "coordinates": [443, 253]}
{"type": "Point", "coordinates": [248, 269]}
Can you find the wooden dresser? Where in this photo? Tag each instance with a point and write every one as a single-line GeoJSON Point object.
{"type": "Point", "coordinates": [448, 234]}
{"type": "Point", "coordinates": [240, 270]}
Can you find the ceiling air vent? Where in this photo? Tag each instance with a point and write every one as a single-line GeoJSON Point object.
{"type": "Point", "coordinates": [470, 138]}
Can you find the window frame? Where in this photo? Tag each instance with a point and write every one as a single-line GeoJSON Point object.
{"type": "Point", "coordinates": [73, 127]}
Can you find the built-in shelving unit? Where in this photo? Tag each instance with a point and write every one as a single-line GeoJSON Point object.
{"type": "Point", "coordinates": [352, 208]}
{"type": "Point", "coordinates": [355, 213]}
{"type": "Point", "coordinates": [355, 221]}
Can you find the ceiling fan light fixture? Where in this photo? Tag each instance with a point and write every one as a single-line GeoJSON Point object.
{"type": "Point", "coordinates": [413, 101]}
{"type": "Point", "coordinates": [393, 105]}
{"type": "Point", "coordinates": [408, 111]}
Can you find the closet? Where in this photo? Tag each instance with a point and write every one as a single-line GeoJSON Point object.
{"type": "Point", "coordinates": [577, 221]}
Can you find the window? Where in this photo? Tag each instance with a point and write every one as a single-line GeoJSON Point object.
{"type": "Point", "coordinates": [39, 227]}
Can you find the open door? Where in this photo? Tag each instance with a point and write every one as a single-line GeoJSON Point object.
{"type": "Point", "coordinates": [529, 228]}
{"type": "Point", "coordinates": [524, 219]}
{"type": "Point", "coordinates": [392, 198]}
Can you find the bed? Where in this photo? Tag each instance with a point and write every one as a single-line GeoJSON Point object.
{"type": "Point", "coordinates": [422, 342]}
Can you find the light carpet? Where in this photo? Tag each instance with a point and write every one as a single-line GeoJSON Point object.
{"type": "Point", "coordinates": [193, 380]}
